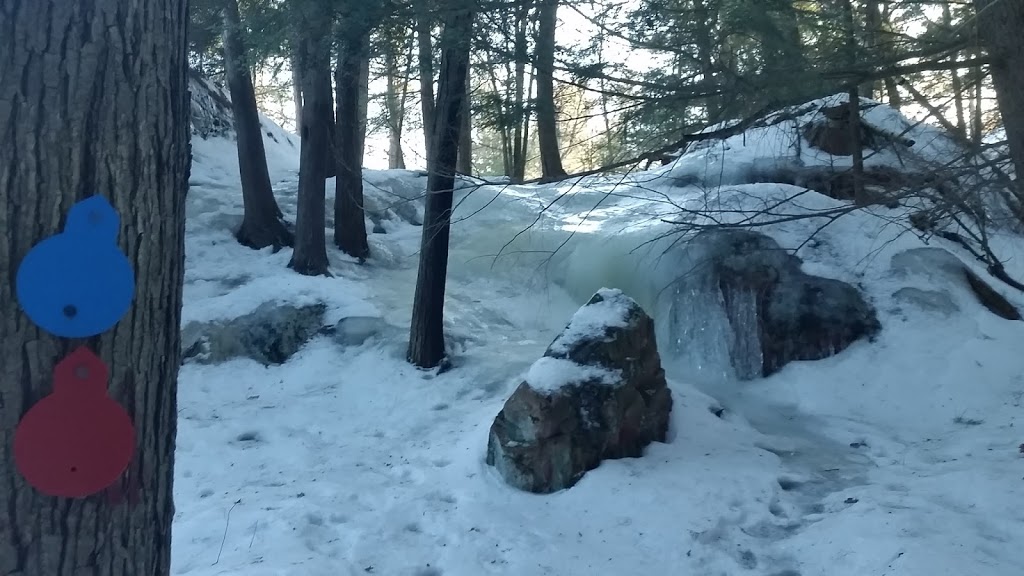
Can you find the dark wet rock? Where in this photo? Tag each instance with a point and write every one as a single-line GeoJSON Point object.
{"type": "Point", "coordinates": [790, 315]}
{"type": "Point", "coordinates": [598, 393]}
{"type": "Point", "coordinates": [270, 334]}
{"type": "Point", "coordinates": [989, 298]}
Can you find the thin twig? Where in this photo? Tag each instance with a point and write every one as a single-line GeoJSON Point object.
{"type": "Point", "coordinates": [225, 536]}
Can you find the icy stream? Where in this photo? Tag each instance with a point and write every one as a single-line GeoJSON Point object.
{"type": "Point", "coordinates": [700, 338]}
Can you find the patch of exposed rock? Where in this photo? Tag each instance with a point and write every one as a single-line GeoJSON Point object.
{"type": "Point", "coordinates": [777, 312]}
{"type": "Point", "coordinates": [270, 334]}
{"type": "Point", "coordinates": [598, 393]}
{"type": "Point", "coordinates": [939, 264]}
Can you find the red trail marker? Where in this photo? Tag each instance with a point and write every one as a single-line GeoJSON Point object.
{"type": "Point", "coordinates": [77, 441]}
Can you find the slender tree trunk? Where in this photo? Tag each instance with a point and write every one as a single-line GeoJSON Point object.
{"type": "Point", "coordinates": [296, 87]}
{"type": "Point", "coordinates": [1000, 23]}
{"type": "Point", "coordinates": [873, 31]}
{"type": "Point", "coordinates": [977, 118]}
{"type": "Point", "coordinates": [95, 101]}
{"type": "Point", "coordinates": [331, 146]}
{"type": "Point", "coordinates": [502, 128]}
{"type": "Point", "coordinates": [521, 127]}
{"type": "Point", "coordinates": [956, 82]}
{"type": "Point", "coordinates": [522, 150]}
{"type": "Point", "coordinates": [547, 116]}
{"type": "Point", "coordinates": [424, 24]}
{"type": "Point", "coordinates": [426, 341]}
{"type": "Point", "coordinates": [262, 224]}
{"type": "Point", "coordinates": [349, 221]}
{"type": "Point", "coordinates": [310, 255]}
{"type": "Point", "coordinates": [364, 103]}
{"type": "Point", "coordinates": [394, 107]}
{"type": "Point", "coordinates": [465, 163]}
{"type": "Point", "coordinates": [854, 106]}
{"type": "Point", "coordinates": [703, 30]}
{"type": "Point", "coordinates": [892, 92]}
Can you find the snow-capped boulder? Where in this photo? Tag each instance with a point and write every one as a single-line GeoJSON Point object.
{"type": "Point", "coordinates": [778, 312]}
{"type": "Point", "coordinates": [270, 334]}
{"type": "Point", "coordinates": [598, 393]}
{"type": "Point", "coordinates": [940, 268]}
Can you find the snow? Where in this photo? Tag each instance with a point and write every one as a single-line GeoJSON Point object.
{"type": "Point", "coordinates": [552, 375]}
{"type": "Point", "coordinates": [894, 457]}
{"type": "Point", "coordinates": [591, 322]}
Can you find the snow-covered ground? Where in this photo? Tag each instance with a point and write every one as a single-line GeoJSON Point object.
{"type": "Point", "coordinates": [895, 457]}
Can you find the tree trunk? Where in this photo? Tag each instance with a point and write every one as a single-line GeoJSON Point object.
{"type": "Point", "coordinates": [1000, 23]}
{"type": "Point", "coordinates": [501, 128]}
{"type": "Point", "coordinates": [892, 92]}
{"type": "Point", "coordinates": [956, 82]}
{"type": "Point", "coordinates": [426, 62]}
{"type": "Point", "coordinates": [331, 147]}
{"type": "Point", "coordinates": [310, 255]}
{"type": "Point", "coordinates": [465, 163]}
{"type": "Point", "coordinates": [262, 223]}
{"type": "Point", "coordinates": [95, 101]}
{"type": "Point", "coordinates": [364, 103]}
{"type": "Point", "coordinates": [296, 88]}
{"type": "Point", "coordinates": [704, 26]}
{"type": "Point", "coordinates": [547, 117]}
{"type": "Point", "coordinates": [977, 114]}
{"type": "Point", "coordinates": [523, 148]}
{"type": "Point", "coordinates": [521, 127]}
{"type": "Point", "coordinates": [349, 221]}
{"type": "Point", "coordinates": [394, 107]}
{"type": "Point", "coordinates": [426, 341]}
{"type": "Point", "coordinates": [856, 146]}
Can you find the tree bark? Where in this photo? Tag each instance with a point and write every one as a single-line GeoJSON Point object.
{"type": "Point", "coordinates": [1000, 23]}
{"type": "Point", "coordinates": [349, 220]}
{"type": "Point", "coordinates": [704, 26]}
{"type": "Point", "coordinates": [520, 116]}
{"type": "Point", "coordinates": [296, 88]}
{"type": "Point", "coordinates": [310, 254]}
{"type": "Point", "coordinates": [94, 100]}
{"type": "Point", "coordinates": [426, 341]}
{"type": "Point", "coordinates": [394, 106]}
{"type": "Point", "coordinates": [364, 102]}
{"type": "Point", "coordinates": [956, 82]}
{"type": "Point", "coordinates": [465, 162]}
{"type": "Point", "coordinates": [262, 223]}
{"type": "Point", "coordinates": [426, 64]}
{"type": "Point", "coordinates": [892, 92]}
{"type": "Point", "coordinates": [856, 146]}
{"type": "Point", "coordinates": [547, 117]}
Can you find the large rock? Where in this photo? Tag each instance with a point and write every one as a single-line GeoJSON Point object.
{"type": "Point", "coordinates": [598, 393]}
{"type": "Point", "coordinates": [270, 334]}
{"type": "Point", "coordinates": [943, 269]}
{"type": "Point", "coordinates": [778, 312]}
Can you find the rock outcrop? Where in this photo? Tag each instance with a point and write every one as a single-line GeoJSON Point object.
{"type": "Point", "coordinates": [790, 315]}
{"type": "Point", "coordinates": [945, 270]}
{"type": "Point", "coordinates": [598, 393]}
{"type": "Point", "coordinates": [270, 334]}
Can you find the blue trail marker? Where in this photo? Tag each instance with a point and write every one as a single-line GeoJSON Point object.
{"type": "Point", "coordinates": [78, 283]}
